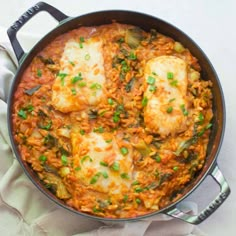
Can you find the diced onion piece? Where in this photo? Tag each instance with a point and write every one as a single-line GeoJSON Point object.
{"type": "Point", "coordinates": [178, 47]}
{"type": "Point", "coordinates": [64, 132]}
{"type": "Point", "coordinates": [194, 75]}
{"type": "Point", "coordinates": [64, 171]}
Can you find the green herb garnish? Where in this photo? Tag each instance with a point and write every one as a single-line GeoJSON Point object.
{"type": "Point", "coordinates": [64, 160]}
{"type": "Point", "coordinates": [115, 166]}
{"type": "Point", "coordinates": [151, 80]}
{"type": "Point", "coordinates": [39, 73]}
{"type": "Point", "coordinates": [22, 114]}
{"type": "Point", "coordinates": [169, 109]}
{"type": "Point", "coordinates": [43, 158]}
{"type": "Point", "coordinates": [144, 101]}
{"type": "Point", "coordinates": [124, 151]}
{"type": "Point", "coordinates": [170, 75]}
{"type": "Point", "coordinates": [124, 176]}
{"type": "Point", "coordinates": [86, 158]}
{"type": "Point", "coordinates": [102, 163]}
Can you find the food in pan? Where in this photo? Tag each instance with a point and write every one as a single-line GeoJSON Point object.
{"type": "Point", "coordinates": [114, 120]}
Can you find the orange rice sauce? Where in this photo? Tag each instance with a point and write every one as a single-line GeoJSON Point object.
{"type": "Point", "coordinates": [114, 120]}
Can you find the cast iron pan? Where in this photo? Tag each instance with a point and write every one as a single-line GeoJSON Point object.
{"type": "Point", "coordinates": [145, 22]}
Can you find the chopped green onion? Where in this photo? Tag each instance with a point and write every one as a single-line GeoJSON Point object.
{"type": "Point", "coordinates": [86, 158]}
{"type": "Point", "coordinates": [76, 78]}
{"type": "Point", "coordinates": [109, 141]}
{"type": "Point", "coordinates": [204, 129]}
{"type": "Point", "coordinates": [144, 101]}
{"type": "Point", "coordinates": [96, 86]}
{"type": "Point", "coordinates": [102, 113]}
{"type": "Point", "coordinates": [136, 182]}
{"type": "Point", "coordinates": [152, 88]}
{"type": "Point", "coordinates": [208, 126]}
{"type": "Point", "coordinates": [124, 68]}
{"type": "Point", "coordinates": [183, 109]}
{"type": "Point", "coordinates": [104, 174]}
{"type": "Point", "coordinates": [95, 178]}
{"type": "Point", "coordinates": [174, 83]}
{"type": "Point", "coordinates": [82, 132]}
{"type": "Point", "coordinates": [22, 114]}
{"type": "Point", "coordinates": [87, 57]}
{"type": "Point", "coordinates": [110, 101]}
{"type": "Point", "coordinates": [96, 210]}
{"type": "Point", "coordinates": [169, 109]}
{"type": "Point", "coordinates": [138, 190]}
{"type": "Point", "coordinates": [132, 56]}
{"type": "Point", "coordinates": [78, 168]}
{"type": "Point", "coordinates": [73, 91]}
{"type": "Point", "coordinates": [30, 108]}
{"type": "Point", "coordinates": [125, 199]}
{"type": "Point", "coordinates": [116, 117]}
{"type": "Point", "coordinates": [121, 40]}
{"type": "Point", "coordinates": [124, 176]}
{"type": "Point", "coordinates": [72, 63]}
{"type": "Point", "coordinates": [151, 80]}
{"type": "Point", "coordinates": [82, 84]}
{"type": "Point", "coordinates": [175, 168]}
{"type": "Point", "coordinates": [115, 166]}
{"type": "Point", "coordinates": [62, 78]}
{"type": "Point", "coordinates": [172, 99]}
{"type": "Point", "coordinates": [170, 75]}
{"type": "Point", "coordinates": [81, 39]}
{"type": "Point", "coordinates": [200, 118]}
{"type": "Point", "coordinates": [64, 160]}
{"type": "Point", "coordinates": [39, 73]}
{"type": "Point", "coordinates": [102, 163]}
{"type": "Point", "coordinates": [154, 73]}
{"type": "Point", "coordinates": [47, 126]}
{"type": "Point", "coordinates": [157, 158]}
{"type": "Point", "coordinates": [124, 151]}
{"type": "Point", "coordinates": [43, 158]}
{"type": "Point", "coordinates": [137, 200]}
{"type": "Point", "coordinates": [99, 129]}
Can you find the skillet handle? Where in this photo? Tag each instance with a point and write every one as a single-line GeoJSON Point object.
{"type": "Point", "coordinates": [197, 219]}
{"type": "Point", "coordinates": [40, 6]}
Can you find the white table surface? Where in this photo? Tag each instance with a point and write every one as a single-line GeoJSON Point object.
{"type": "Point", "coordinates": [210, 23]}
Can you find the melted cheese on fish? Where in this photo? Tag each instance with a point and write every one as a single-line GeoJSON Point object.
{"type": "Point", "coordinates": [81, 79]}
{"type": "Point", "coordinates": [101, 163]}
{"type": "Point", "coordinates": [166, 87]}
